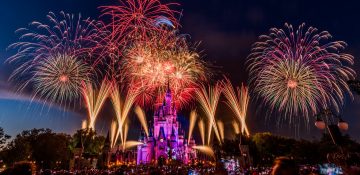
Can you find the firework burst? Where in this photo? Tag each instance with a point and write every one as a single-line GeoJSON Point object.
{"type": "Point", "coordinates": [45, 51]}
{"type": "Point", "coordinates": [297, 73]}
{"type": "Point", "coordinates": [132, 19]}
{"type": "Point", "coordinates": [59, 78]}
{"type": "Point", "coordinates": [238, 102]}
{"type": "Point", "coordinates": [164, 61]}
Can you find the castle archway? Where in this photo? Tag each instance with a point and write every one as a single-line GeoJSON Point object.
{"type": "Point", "coordinates": [161, 160]}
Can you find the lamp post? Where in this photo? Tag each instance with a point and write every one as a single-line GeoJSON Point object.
{"type": "Point", "coordinates": [327, 119]}
{"type": "Point", "coordinates": [334, 123]}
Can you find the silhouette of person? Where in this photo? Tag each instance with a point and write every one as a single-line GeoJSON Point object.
{"type": "Point", "coordinates": [284, 166]}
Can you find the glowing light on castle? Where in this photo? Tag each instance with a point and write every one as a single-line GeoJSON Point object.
{"type": "Point", "coordinates": [166, 138]}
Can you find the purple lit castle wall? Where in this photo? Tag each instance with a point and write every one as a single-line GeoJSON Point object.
{"type": "Point", "coordinates": [164, 141]}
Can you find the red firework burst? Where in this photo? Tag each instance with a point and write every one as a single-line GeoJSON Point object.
{"type": "Point", "coordinates": [161, 60]}
{"type": "Point", "coordinates": [134, 18]}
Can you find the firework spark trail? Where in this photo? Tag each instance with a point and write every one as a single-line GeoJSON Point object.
{"type": "Point", "coordinates": [131, 144]}
{"type": "Point", "coordinates": [209, 131]}
{"type": "Point", "coordinates": [126, 130]}
{"type": "Point", "coordinates": [238, 102]}
{"type": "Point", "coordinates": [84, 124]}
{"type": "Point", "coordinates": [142, 118]}
{"type": "Point", "coordinates": [113, 133]}
{"type": "Point", "coordinates": [298, 73]}
{"type": "Point", "coordinates": [94, 101]}
{"type": "Point", "coordinates": [46, 49]}
{"type": "Point", "coordinates": [220, 125]}
{"type": "Point", "coordinates": [206, 150]}
{"type": "Point", "coordinates": [235, 127]}
{"type": "Point", "coordinates": [208, 99]}
{"type": "Point", "coordinates": [133, 19]}
{"type": "Point", "coordinates": [116, 102]}
{"type": "Point", "coordinates": [201, 125]}
{"type": "Point", "coordinates": [193, 117]}
{"type": "Point", "coordinates": [122, 109]}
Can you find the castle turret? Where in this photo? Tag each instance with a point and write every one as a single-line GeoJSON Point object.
{"type": "Point", "coordinates": [141, 152]}
{"type": "Point", "coordinates": [173, 138]}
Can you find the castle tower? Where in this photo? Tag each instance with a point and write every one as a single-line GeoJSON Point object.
{"type": "Point", "coordinates": [164, 141]}
{"type": "Point", "coordinates": [106, 151]}
{"type": "Point", "coordinates": [161, 149]}
{"type": "Point", "coordinates": [141, 153]}
{"type": "Point", "coordinates": [150, 146]}
{"type": "Point", "coordinates": [173, 145]}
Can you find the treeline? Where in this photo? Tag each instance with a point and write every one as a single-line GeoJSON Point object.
{"type": "Point", "coordinates": [48, 150]}
{"type": "Point", "coordinates": [265, 147]}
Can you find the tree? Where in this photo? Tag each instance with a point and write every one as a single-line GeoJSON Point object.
{"type": "Point", "coordinates": [307, 152]}
{"type": "Point", "coordinates": [3, 138]}
{"type": "Point", "coordinates": [92, 143]}
{"type": "Point", "coordinates": [52, 150]}
{"type": "Point", "coordinates": [269, 147]}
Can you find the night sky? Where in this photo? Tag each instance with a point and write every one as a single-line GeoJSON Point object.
{"type": "Point", "coordinates": [226, 30]}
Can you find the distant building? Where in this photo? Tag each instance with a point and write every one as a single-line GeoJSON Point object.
{"type": "Point", "coordinates": [164, 141]}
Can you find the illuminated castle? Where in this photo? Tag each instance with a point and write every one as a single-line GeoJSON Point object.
{"type": "Point", "coordinates": [164, 141]}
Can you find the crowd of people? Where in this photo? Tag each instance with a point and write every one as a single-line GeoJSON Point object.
{"type": "Point", "coordinates": [281, 166]}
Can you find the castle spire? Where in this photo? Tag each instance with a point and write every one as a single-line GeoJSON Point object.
{"type": "Point", "coordinates": [150, 132]}
{"type": "Point", "coordinates": [173, 132]}
{"type": "Point", "coordinates": [162, 133]}
{"type": "Point", "coordinates": [168, 99]}
{"type": "Point", "coordinates": [168, 87]}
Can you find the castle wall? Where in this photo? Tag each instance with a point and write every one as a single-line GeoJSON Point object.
{"type": "Point", "coordinates": [161, 144]}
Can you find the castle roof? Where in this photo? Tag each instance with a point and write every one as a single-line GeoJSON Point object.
{"type": "Point", "coordinates": [161, 133]}
{"type": "Point", "coordinates": [168, 91]}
